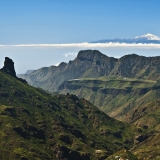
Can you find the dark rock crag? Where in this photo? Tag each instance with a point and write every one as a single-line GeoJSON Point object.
{"type": "Point", "coordinates": [9, 69]}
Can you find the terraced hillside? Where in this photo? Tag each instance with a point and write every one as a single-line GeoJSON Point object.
{"type": "Point", "coordinates": [114, 95]}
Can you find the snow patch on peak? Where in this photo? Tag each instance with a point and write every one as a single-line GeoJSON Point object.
{"type": "Point", "coordinates": [148, 36]}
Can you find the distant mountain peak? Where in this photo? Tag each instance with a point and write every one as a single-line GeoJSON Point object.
{"type": "Point", "coordinates": [148, 36]}
{"type": "Point", "coordinates": [89, 54]}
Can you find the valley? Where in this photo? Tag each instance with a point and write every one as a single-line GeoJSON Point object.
{"type": "Point", "coordinates": [37, 125]}
{"type": "Point", "coordinates": [94, 107]}
{"type": "Point", "coordinates": [115, 96]}
{"type": "Point", "coordinates": [80, 80]}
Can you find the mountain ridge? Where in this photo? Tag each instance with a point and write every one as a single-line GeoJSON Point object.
{"type": "Point", "coordinates": [91, 64]}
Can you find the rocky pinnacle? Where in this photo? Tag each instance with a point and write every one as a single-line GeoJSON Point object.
{"type": "Point", "coordinates": [9, 67]}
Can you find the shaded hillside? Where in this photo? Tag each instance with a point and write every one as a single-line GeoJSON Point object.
{"type": "Point", "coordinates": [37, 125]}
{"type": "Point", "coordinates": [92, 64]}
{"type": "Point", "coordinates": [130, 100]}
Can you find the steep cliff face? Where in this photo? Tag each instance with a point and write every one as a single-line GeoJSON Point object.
{"type": "Point", "coordinates": [138, 66]}
{"type": "Point", "coordinates": [93, 64]}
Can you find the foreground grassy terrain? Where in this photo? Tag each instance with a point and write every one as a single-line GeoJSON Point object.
{"type": "Point", "coordinates": [37, 125]}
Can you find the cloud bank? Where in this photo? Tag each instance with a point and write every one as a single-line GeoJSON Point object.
{"type": "Point", "coordinates": [70, 54]}
{"type": "Point", "coordinates": [90, 45]}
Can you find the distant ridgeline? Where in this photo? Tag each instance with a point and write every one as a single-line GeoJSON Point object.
{"type": "Point", "coordinates": [93, 64]}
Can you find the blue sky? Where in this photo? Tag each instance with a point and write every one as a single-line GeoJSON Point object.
{"type": "Point", "coordinates": [68, 21]}
{"type": "Point", "coordinates": [72, 21]}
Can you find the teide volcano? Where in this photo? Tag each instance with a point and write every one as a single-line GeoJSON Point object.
{"type": "Point", "coordinates": [146, 38]}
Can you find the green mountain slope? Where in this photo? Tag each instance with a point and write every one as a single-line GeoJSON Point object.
{"type": "Point", "coordinates": [130, 100]}
{"type": "Point", "coordinates": [127, 89]}
{"type": "Point", "coordinates": [114, 95]}
{"type": "Point", "coordinates": [38, 125]}
{"type": "Point", "coordinates": [93, 64]}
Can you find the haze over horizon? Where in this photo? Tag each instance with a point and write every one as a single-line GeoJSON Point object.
{"type": "Point", "coordinates": [37, 33]}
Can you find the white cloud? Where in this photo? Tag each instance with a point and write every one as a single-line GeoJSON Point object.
{"type": "Point", "coordinates": [56, 64]}
{"type": "Point", "coordinates": [70, 54]}
{"type": "Point", "coordinates": [90, 45]}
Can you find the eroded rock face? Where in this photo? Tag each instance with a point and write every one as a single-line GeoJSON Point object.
{"type": "Point", "coordinates": [9, 67]}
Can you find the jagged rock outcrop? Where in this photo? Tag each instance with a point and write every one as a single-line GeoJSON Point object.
{"type": "Point", "coordinates": [9, 69]}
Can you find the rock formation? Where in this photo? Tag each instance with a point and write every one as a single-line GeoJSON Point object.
{"type": "Point", "coordinates": [9, 69]}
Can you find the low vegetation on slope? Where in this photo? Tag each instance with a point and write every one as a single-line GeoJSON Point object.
{"type": "Point", "coordinates": [37, 125]}
{"type": "Point", "coordinates": [131, 100]}
{"type": "Point", "coordinates": [114, 95]}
